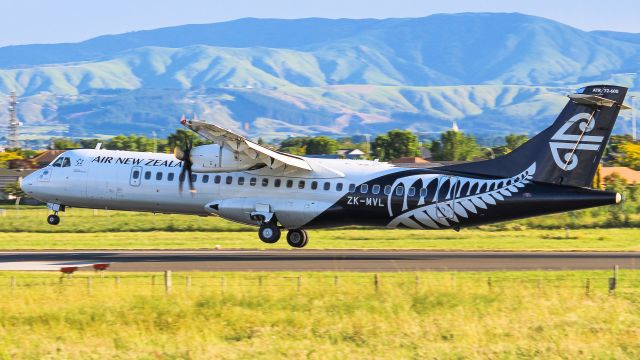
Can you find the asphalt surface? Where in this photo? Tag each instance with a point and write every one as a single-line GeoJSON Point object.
{"type": "Point", "coordinates": [317, 260]}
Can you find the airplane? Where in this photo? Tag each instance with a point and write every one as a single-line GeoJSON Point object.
{"type": "Point", "coordinates": [242, 181]}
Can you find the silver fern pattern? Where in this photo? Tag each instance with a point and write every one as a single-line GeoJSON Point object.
{"type": "Point", "coordinates": [454, 198]}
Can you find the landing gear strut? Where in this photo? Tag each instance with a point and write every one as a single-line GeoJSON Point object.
{"type": "Point", "coordinates": [297, 238]}
{"type": "Point", "coordinates": [53, 219]}
{"type": "Point", "coordinates": [269, 232]}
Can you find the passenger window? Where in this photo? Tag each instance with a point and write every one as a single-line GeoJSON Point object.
{"type": "Point", "coordinates": [339, 186]}
{"type": "Point", "coordinates": [170, 176]}
{"type": "Point", "coordinates": [289, 183]}
{"type": "Point", "coordinates": [181, 177]}
{"type": "Point", "coordinates": [314, 185]}
{"type": "Point", "coordinates": [277, 182]}
{"type": "Point", "coordinates": [327, 185]}
{"type": "Point", "coordinates": [265, 182]}
{"type": "Point", "coordinates": [147, 175]}
{"type": "Point", "coordinates": [352, 188]}
{"type": "Point", "coordinates": [136, 174]}
{"type": "Point", "coordinates": [229, 180]}
{"type": "Point", "coordinates": [253, 181]}
{"type": "Point", "coordinates": [194, 177]}
{"type": "Point", "coordinates": [205, 179]}
{"type": "Point", "coordinates": [411, 191]}
{"type": "Point", "coordinates": [58, 162]}
{"type": "Point", "coordinates": [387, 190]}
{"type": "Point", "coordinates": [159, 175]}
{"type": "Point", "coordinates": [375, 189]}
{"type": "Point", "coordinates": [364, 188]}
{"type": "Point", "coordinates": [66, 162]}
{"type": "Point", "coordinates": [217, 179]}
{"type": "Point", "coordinates": [301, 184]}
{"type": "Point", "coordinates": [241, 180]}
{"type": "Point", "coordinates": [423, 192]}
{"type": "Point", "coordinates": [400, 190]}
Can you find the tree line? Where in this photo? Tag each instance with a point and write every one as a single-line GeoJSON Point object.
{"type": "Point", "coordinates": [449, 146]}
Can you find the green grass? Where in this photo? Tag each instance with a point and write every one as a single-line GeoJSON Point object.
{"type": "Point", "coordinates": [84, 229]}
{"type": "Point", "coordinates": [534, 240]}
{"type": "Point", "coordinates": [524, 315]}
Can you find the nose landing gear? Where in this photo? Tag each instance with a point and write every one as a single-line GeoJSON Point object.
{"type": "Point", "coordinates": [53, 219]}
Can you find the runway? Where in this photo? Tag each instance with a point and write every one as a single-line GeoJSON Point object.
{"type": "Point", "coordinates": [317, 260]}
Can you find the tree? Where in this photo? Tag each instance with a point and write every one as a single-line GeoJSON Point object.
{"type": "Point", "coordinates": [8, 155]}
{"type": "Point", "coordinates": [630, 155]}
{"type": "Point", "coordinates": [294, 145]}
{"type": "Point", "coordinates": [395, 144]}
{"type": "Point", "coordinates": [177, 139]}
{"type": "Point", "coordinates": [454, 146]}
{"type": "Point", "coordinates": [64, 144]}
{"type": "Point", "coordinates": [321, 145]}
{"type": "Point", "coordinates": [14, 189]}
{"type": "Point", "coordinates": [617, 213]}
{"type": "Point", "coordinates": [89, 143]}
{"type": "Point", "coordinates": [514, 141]}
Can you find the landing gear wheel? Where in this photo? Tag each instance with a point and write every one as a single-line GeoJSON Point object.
{"type": "Point", "coordinates": [297, 238]}
{"type": "Point", "coordinates": [269, 233]}
{"type": "Point", "coordinates": [53, 219]}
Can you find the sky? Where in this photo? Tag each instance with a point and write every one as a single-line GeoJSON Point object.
{"type": "Point", "coordinates": [55, 21]}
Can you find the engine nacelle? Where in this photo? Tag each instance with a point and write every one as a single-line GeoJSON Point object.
{"type": "Point", "coordinates": [214, 158]}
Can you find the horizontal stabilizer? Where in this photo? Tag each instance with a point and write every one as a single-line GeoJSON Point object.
{"type": "Point", "coordinates": [595, 100]}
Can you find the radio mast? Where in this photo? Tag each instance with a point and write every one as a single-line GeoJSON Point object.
{"type": "Point", "coordinates": [14, 124]}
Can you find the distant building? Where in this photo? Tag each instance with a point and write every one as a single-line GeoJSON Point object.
{"type": "Point", "coordinates": [629, 175]}
{"type": "Point", "coordinates": [409, 160]}
{"type": "Point", "coordinates": [425, 153]}
{"type": "Point", "coordinates": [351, 154]}
{"type": "Point", "coordinates": [412, 161]}
{"type": "Point", "coordinates": [354, 154]}
{"type": "Point", "coordinates": [21, 164]}
{"type": "Point", "coordinates": [46, 157]}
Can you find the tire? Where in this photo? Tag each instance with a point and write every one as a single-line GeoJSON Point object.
{"type": "Point", "coordinates": [297, 238]}
{"type": "Point", "coordinates": [53, 219]}
{"type": "Point", "coordinates": [269, 233]}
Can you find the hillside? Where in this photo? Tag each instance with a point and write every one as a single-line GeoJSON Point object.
{"type": "Point", "coordinates": [309, 76]}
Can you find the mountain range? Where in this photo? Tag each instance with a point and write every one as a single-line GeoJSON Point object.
{"type": "Point", "coordinates": [492, 73]}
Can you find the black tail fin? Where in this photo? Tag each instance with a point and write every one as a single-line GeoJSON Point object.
{"type": "Point", "coordinates": [567, 152]}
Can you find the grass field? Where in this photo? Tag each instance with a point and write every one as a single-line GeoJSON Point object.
{"type": "Point", "coordinates": [86, 229]}
{"type": "Point", "coordinates": [523, 315]}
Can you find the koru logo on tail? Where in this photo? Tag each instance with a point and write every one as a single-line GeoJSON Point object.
{"type": "Point", "coordinates": [570, 143]}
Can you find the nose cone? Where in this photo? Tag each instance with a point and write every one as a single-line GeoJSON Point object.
{"type": "Point", "coordinates": [26, 183]}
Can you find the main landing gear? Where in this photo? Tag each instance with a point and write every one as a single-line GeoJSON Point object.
{"type": "Point", "coordinates": [297, 238]}
{"type": "Point", "coordinates": [269, 233]}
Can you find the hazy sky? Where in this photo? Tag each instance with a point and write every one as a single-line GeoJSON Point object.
{"type": "Point", "coordinates": [51, 21]}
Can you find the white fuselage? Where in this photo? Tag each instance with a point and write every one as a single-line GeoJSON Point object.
{"type": "Point", "coordinates": [137, 181]}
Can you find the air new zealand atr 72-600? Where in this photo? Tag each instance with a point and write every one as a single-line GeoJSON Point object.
{"type": "Point", "coordinates": [242, 181]}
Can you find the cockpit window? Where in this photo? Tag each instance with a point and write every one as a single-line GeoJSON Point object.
{"type": "Point", "coordinates": [62, 162]}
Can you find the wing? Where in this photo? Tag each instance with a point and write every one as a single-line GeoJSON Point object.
{"type": "Point", "coordinates": [245, 147]}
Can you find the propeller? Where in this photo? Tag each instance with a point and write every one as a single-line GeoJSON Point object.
{"type": "Point", "coordinates": [185, 156]}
